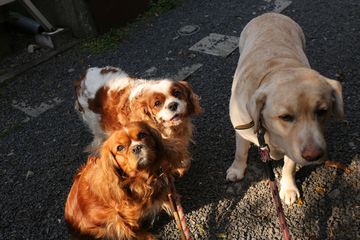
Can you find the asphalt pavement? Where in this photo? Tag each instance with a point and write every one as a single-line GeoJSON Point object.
{"type": "Point", "coordinates": [42, 138]}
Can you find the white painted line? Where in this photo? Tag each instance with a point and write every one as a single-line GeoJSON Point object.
{"type": "Point", "coordinates": [185, 72]}
{"type": "Point", "coordinates": [36, 111]}
{"type": "Point", "coordinates": [216, 44]}
{"type": "Point", "coordinates": [280, 5]}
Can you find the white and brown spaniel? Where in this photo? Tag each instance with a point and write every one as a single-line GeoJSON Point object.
{"type": "Point", "coordinates": [107, 98]}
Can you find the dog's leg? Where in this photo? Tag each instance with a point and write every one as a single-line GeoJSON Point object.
{"type": "Point", "coordinates": [237, 169]}
{"type": "Point", "coordinates": [288, 190]}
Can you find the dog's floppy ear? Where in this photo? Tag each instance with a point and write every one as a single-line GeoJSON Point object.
{"type": "Point", "coordinates": [139, 108]}
{"type": "Point", "coordinates": [255, 106]}
{"type": "Point", "coordinates": [338, 104]}
{"type": "Point", "coordinates": [149, 125]}
{"type": "Point", "coordinates": [106, 155]}
{"type": "Point", "coordinates": [195, 107]}
{"type": "Point", "coordinates": [77, 89]}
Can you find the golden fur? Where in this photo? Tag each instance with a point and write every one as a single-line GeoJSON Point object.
{"type": "Point", "coordinates": [275, 86]}
{"type": "Point", "coordinates": [113, 194]}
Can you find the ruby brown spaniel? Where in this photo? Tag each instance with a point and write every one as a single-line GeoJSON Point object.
{"type": "Point", "coordinates": [115, 194]}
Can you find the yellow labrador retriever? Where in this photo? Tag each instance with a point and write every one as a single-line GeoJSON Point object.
{"type": "Point", "coordinates": [274, 86]}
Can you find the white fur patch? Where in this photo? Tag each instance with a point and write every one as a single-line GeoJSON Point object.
{"type": "Point", "coordinates": [138, 88]}
{"type": "Point", "coordinates": [166, 114]}
{"type": "Point", "coordinates": [118, 81]}
{"type": "Point", "coordinates": [162, 86]}
{"type": "Point", "coordinates": [134, 143]}
{"type": "Point", "coordinates": [92, 82]}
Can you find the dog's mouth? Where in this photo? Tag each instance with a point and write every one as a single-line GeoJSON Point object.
{"type": "Point", "coordinates": [175, 118]}
{"type": "Point", "coordinates": [173, 121]}
{"type": "Point", "coordinates": [297, 158]}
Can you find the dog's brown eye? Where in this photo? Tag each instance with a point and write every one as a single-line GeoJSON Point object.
{"type": "Point", "coordinates": [157, 103]}
{"type": "Point", "coordinates": [141, 135]}
{"type": "Point", "coordinates": [120, 148]}
{"type": "Point", "coordinates": [321, 112]}
{"type": "Point", "coordinates": [176, 93]}
{"type": "Point", "coordinates": [287, 118]}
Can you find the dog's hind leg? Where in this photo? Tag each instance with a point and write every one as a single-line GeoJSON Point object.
{"type": "Point", "coordinates": [288, 190]}
{"type": "Point", "coordinates": [237, 169]}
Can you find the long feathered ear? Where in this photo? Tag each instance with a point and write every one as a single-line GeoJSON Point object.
{"type": "Point", "coordinates": [338, 104]}
{"type": "Point", "coordinates": [109, 163]}
{"type": "Point", "coordinates": [77, 90]}
{"type": "Point", "coordinates": [194, 104]}
{"type": "Point", "coordinates": [139, 109]}
{"type": "Point", "coordinates": [176, 156]}
{"type": "Point", "coordinates": [77, 83]}
{"type": "Point", "coordinates": [106, 155]}
{"type": "Point", "coordinates": [255, 106]}
{"type": "Point", "coordinates": [150, 126]}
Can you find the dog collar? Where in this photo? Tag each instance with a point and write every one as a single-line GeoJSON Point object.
{"type": "Point", "coordinates": [245, 126]}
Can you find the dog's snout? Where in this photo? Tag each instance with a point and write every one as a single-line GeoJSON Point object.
{"type": "Point", "coordinates": [173, 106]}
{"type": "Point", "coordinates": [312, 152]}
{"type": "Point", "coordinates": [137, 149]}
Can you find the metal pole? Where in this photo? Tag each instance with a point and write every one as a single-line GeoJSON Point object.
{"type": "Point", "coordinates": [37, 15]}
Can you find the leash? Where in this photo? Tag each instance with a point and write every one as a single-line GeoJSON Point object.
{"type": "Point", "coordinates": [175, 204]}
{"type": "Point", "coordinates": [178, 214]}
{"type": "Point", "coordinates": [264, 152]}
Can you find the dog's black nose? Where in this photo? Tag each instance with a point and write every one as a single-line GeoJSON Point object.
{"type": "Point", "coordinates": [137, 149]}
{"type": "Point", "coordinates": [173, 106]}
{"type": "Point", "coordinates": [312, 152]}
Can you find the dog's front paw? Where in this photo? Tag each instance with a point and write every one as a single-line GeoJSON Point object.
{"type": "Point", "coordinates": [288, 192]}
{"type": "Point", "coordinates": [234, 174]}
